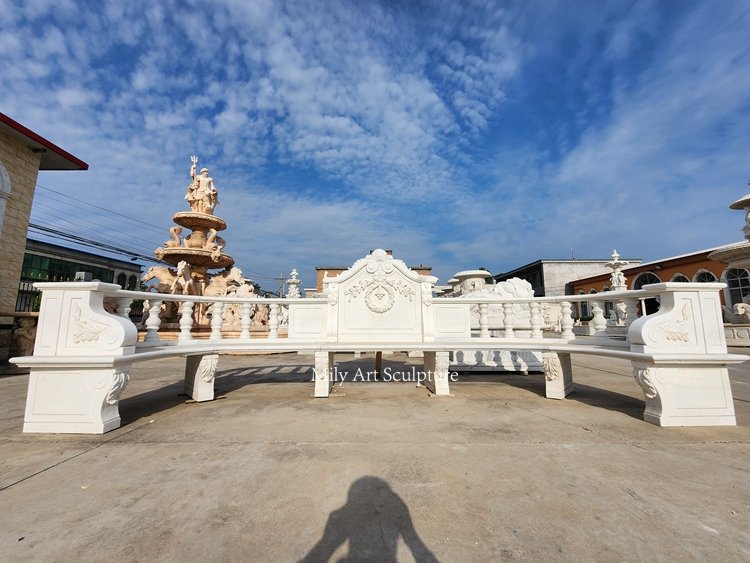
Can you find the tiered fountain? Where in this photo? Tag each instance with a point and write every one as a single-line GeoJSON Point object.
{"type": "Point", "coordinates": [196, 253]}
{"type": "Point", "coordinates": [202, 249]}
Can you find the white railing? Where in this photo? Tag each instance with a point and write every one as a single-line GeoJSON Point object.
{"type": "Point", "coordinates": [505, 325]}
{"type": "Point", "coordinates": [188, 311]}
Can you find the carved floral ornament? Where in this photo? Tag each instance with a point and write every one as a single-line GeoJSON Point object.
{"type": "Point", "coordinates": [378, 288]}
{"type": "Point", "coordinates": [85, 330]}
{"type": "Point", "coordinates": [676, 330]}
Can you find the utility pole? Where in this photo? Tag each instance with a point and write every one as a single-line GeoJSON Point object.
{"type": "Point", "coordinates": [281, 279]}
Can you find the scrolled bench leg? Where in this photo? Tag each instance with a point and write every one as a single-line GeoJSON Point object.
{"type": "Point", "coordinates": [322, 373]}
{"type": "Point", "coordinates": [200, 372]}
{"type": "Point", "coordinates": [75, 400]}
{"type": "Point", "coordinates": [558, 375]}
{"type": "Point", "coordinates": [436, 367]}
{"type": "Point", "coordinates": [685, 395]}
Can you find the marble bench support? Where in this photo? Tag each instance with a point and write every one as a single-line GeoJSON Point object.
{"type": "Point", "coordinates": [684, 395]}
{"type": "Point", "coordinates": [436, 366]}
{"type": "Point", "coordinates": [324, 362]}
{"type": "Point", "coordinates": [76, 400]}
{"type": "Point", "coordinates": [200, 372]}
{"type": "Point", "coordinates": [558, 375]}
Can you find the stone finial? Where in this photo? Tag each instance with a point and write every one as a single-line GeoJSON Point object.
{"type": "Point", "coordinates": [293, 283]}
{"type": "Point", "coordinates": [617, 278]}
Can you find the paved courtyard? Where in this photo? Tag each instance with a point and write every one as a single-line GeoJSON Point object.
{"type": "Point", "coordinates": [378, 472]}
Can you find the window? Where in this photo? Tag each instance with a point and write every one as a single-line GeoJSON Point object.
{"type": "Point", "coordinates": [608, 306]}
{"type": "Point", "coordinates": [680, 278]}
{"type": "Point", "coordinates": [44, 268]}
{"type": "Point", "coordinates": [132, 282]}
{"type": "Point", "coordinates": [738, 281]}
{"type": "Point", "coordinates": [122, 279]}
{"type": "Point", "coordinates": [652, 305]}
{"type": "Point", "coordinates": [583, 306]}
{"type": "Point", "coordinates": [704, 276]}
{"type": "Point", "coordinates": [644, 279]}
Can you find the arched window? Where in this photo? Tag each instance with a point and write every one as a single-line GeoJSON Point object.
{"type": "Point", "coordinates": [122, 279]}
{"type": "Point", "coordinates": [680, 278]}
{"type": "Point", "coordinates": [132, 282]}
{"type": "Point", "coordinates": [644, 279]}
{"type": "Point", "coordinates": [738, 281]}
{"type": "Point", "coordinates": [704, 276]}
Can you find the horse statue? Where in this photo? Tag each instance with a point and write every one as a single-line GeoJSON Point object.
{"type": "Point", "coordinates": [183, 282]}
{"type": "Point", "coordinates": [220, 284]}
{"type": "Point", "coordinates": [166, 277]}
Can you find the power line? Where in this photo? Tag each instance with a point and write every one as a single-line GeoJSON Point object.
{"type": "Point", "coordinates": [82, 231]}
{"type": "Point", "coordinates": [56, 233]}
{"type": "Point", "coordinates": [100, 208]}
{"type": "Point", "coordinates": [53, 212]}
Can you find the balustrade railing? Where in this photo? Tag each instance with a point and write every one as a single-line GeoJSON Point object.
{"type": "Point", "coordinates": [494, 317]}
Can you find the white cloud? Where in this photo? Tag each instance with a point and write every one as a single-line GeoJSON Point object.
{"type": "Point", "coordinates": [375, 113]}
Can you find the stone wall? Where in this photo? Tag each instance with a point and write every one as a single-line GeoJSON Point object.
{"type": "Point", "coordinates": [558, 274]}
{"type": "Point", "coordinates": [23, 167]}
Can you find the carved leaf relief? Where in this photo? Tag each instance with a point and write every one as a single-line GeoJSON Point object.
{"type": "Point", "coordinates": [119, 381]}
{"type": "Point", "coordinates": [207, 368]}
{"type": "Point", "coordinates": [643, 378]}
{"type": "Point", "coordinates": [552, 367]}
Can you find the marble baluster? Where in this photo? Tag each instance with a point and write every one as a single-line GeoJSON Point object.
{"type": "Point", "coordinates": [186, 322]}
{"type": "Point", "coordinates": [153, 321]}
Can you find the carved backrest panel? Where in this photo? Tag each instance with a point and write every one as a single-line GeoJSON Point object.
{"type": "Point", "coordinates": [378, 299]}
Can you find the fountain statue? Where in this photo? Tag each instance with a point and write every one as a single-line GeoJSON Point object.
{"type": "Point", "coordinates": [202, 249]}
{"type": "Point", "coordinates": [197, 252]}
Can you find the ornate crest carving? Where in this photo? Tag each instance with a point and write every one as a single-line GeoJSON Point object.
{"type": "Point", "coordinates": [120, 380]}
{"type": "Point", "coordinates": [678, 330]}
{"type": "Point", "coordinates": [378, 288]}
{"type": "Point", "coordinates": [643, 378]}
{"type": "Point", "coordinates": [85, 330]}
{"type": "Point", "coordinates": [552, 366]}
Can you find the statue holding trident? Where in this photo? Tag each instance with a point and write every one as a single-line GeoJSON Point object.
{"type": "Point", "coordinates": [201, 193]}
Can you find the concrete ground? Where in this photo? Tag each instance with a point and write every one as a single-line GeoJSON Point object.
{"type": "Point", "coordinates": [378, 472]}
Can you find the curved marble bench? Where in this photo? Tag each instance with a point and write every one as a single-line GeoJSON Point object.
{"type": "Point", "coordinates": [97, 397]}
{"type": "Point", "coordinates": [83, 353]}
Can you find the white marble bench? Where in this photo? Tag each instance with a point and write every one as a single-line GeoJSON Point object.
{"type": "Point", "coordinates": [83, 354]}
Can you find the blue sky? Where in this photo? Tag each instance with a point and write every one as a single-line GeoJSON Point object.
{"type": "Point", "coordinates": [459, 134]}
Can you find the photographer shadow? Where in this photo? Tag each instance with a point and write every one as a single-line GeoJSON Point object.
{"type": "Point", "coordinates": [372, 521]}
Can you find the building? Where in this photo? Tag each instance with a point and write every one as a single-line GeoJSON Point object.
{"type": "Point", "coordinates": [693, 267]}
{"type": "Point", "coordinates": [332, 271]}
{"type": "Point", "coordinates": [43, 261]}
{"type": "Point", "coordinates": [23, 154]}
{"type": "Point", "coordinates": [552, 277]}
